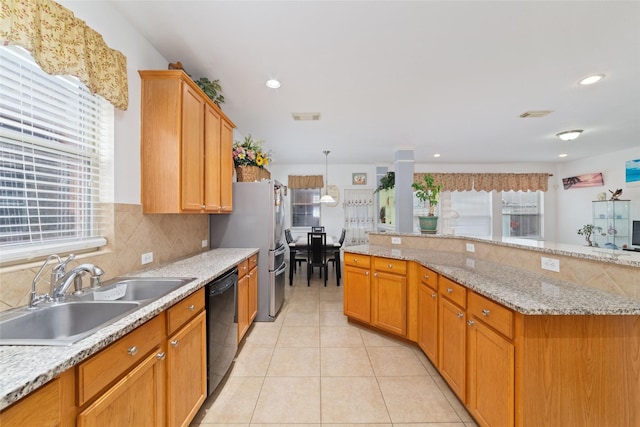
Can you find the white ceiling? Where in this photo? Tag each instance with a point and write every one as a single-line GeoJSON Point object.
{"type": "Point", "coordinates": [433, 76]}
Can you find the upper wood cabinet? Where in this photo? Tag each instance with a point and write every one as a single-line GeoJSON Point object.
{"type": "Point", "coordinates": [186, 147]}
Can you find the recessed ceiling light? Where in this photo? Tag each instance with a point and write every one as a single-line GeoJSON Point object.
{"type": "Point", "coordinates": [273, 84]}
{"type": "Point", "coordinates": [436, 155]}
{"type": "Point", "coordinates": [589, 80]}
{"type": "Point", "coordinates": [569, 135]}
{"type": "Point", "coordinates": [562, 155]}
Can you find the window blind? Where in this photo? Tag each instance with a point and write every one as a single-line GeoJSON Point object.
{"type": "Point", "coordinates": [55, 159]}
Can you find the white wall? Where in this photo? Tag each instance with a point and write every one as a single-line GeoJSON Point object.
{"type": "Point", "coordinates": [574, 205]}
{"type": "Point", "coordinates": [119, 35]}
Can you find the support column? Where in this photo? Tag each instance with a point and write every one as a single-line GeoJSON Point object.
{"type": "Point", "coordinates": [404, 166]}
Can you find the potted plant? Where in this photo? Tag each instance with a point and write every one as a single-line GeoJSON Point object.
{"type": "Point", "coordinates": [212, 89]}
{"type": "Point", "coordinates": [249, 159]}
{"type": "Point", "coordinates": [586, 231]}
{"type": "Point", "coordinates": [387, 182]}
{"type": "Point", "coordinates": [428, 191]}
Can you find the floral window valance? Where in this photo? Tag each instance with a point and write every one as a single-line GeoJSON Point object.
{"type": "Point", "coordinates": [62, 44]}
{"type": "Point", "coordinates": [306, 181]}
{"type": "Point", "coordinates": [489, 181]}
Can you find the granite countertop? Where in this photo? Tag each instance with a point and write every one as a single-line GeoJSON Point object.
{"type": "Point", "coordinates": [523, 291]}
{"type": "Point", "coordinates": [25, 368]}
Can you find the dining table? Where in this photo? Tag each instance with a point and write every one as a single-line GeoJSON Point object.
{"type": "Point", "coordinates": [300, 244]}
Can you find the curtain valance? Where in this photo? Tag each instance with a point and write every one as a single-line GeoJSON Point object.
{"type": "Point", "coordinates": [489, 181]}
{"type": "Point", "coordinates": [62, 44]}
{"type": "Point", "coordinates": [305, 181]}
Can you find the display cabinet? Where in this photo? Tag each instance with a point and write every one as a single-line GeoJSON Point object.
{"type": "Point", "coordinates": [611, 219]}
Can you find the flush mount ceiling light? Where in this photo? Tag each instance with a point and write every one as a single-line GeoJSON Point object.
{"type": "Point", "coordinates": [589, 80]}
{"type": "Point", "coordinates": [569, 135]}
{"type": "Point", "coordinates": [562, 155]}
{"type": "Point", "coordinates": [326, 198]}
{"type": "Point", "coordinates": [273, 84]}
{"type": "Point", "coordinates": [436, 155]}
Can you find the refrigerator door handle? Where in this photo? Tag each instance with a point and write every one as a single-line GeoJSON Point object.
{"type": "Point", "coordinates": [281, 250]}
{"type": "Point", "coordinates": [281, 269]}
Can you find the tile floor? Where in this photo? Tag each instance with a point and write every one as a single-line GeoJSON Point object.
{"type": "Point", "coordinates": [312, 368]}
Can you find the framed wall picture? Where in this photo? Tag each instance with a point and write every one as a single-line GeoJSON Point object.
{"type": "Point", "coordinates": [359, 178]}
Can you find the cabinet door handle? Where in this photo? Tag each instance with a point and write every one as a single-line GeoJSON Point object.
{"type": "Point", "coordinates": [366, 273]}
{"type": "Point", "coordinates": [191, 307]}
{"type": "Point", "coordinates": [202, 207]}
{"type": "Point", "coordinates": [470, 322]}
{"type": "Point", "coordinates": [426, 277]}
{"type": "Point", "coordinates": [485, 312]}
{"type": "Point", "coordinates": [433, 296]}
{"type": "Point", "coordinates": [174, 343]}
{"type": "Point", "coordinates": [460, 315]}
{"type": "Point", "coordinates": [390, 265]}
{"type": "Point", "coordinates": [161, 355]}
{"type": "Point", "coordinates": [355, 260]}
{"type": "Point", "coordinates": [132, 350]}
{"type": "Point", "coordinates": [449, 290]}
{"type": "Point", "coordinates": [375, 274]}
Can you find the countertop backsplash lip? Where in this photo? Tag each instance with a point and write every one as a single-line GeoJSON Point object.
{"type": "Point", "coordinates": [521, 290]}
{"type": "Point", "coordinates": [620, 257]}
{"type": "Point", "coordinates": [25, 368]}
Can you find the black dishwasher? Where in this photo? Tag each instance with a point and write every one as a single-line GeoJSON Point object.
{"type": "Point", "coordinates": [222, 327]}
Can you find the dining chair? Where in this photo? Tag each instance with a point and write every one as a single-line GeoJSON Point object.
{"type": "Point", "coordinates": [316, 254]}
{"type": "Point", "coordinates": [333, 256]}
{"type": "Point", "coordinates": [317, 229]}
{"type": "Point", "coordinates": [295, 256]}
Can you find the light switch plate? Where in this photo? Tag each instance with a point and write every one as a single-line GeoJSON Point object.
{"type": "Point", "coordinates": [147, 258]}
{"type": "Point", "coordinates": [550, 264]}
{"type": "Point", "coordinates": [471, 263]}
{"type": "Point", "coordinates": [471, 247]}
{"type": "Point", "coordinates": [205, 243]}
{"type": "Point", "coordinates": [396, 241]}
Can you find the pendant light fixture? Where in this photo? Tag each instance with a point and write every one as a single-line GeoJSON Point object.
{"type": "Point", "coordinates": [326, 198]}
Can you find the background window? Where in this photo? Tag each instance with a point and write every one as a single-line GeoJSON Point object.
{"type": "Point", "coordinates": [55, 159]}
{"type": "Point", "coordinates": [471, 213]}
{"type": "Point", "coordinates": [305, 207]}
{"type": "Point", "coordinates": [522, 214]}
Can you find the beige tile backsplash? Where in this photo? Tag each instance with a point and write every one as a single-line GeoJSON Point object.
{"type": "Point", "coordinates": [168, 236]}
{"type": "Point", "coordinates": [618, 279]}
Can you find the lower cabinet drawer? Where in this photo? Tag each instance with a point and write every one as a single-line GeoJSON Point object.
{"type": "Point", "coordinates": [493, 314]}
{"type": "Point", "coordinates": [103, 368]}
{"type": "Point", "coordinates": [183, 311]}
{"type": "Point", "coordinates": [357, 260]}
{"type": "Point", "coordinates": [453, 291]}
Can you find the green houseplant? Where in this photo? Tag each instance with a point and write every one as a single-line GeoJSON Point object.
{"type": "Point", "coordinates": [586, 231]}
{"type": "Point", "coordinates": [428, 191]}
{"type": "Point", "coordinates": [212, 89]}
{"type": "Point", "coordinates": [387, 182]}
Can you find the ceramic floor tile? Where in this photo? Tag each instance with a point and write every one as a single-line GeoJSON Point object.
{"type": "Point", "coordinates": [352, 400]}
{"type": "Point", "coordinates": [302, 318]}
{"type": "Point", "coordinates": [252, 361]}
{"type": "Point", "coordinates": [236, 401]}
{"type": "Point", "coordinates": [288, 400]}
{"type": "Point", "coordinates": [299, 336]}
{"type": "Point", "coordinates": [340, 336]}
{"type": "Point", "coordinates": [345, 362]}
{"type": "Point", "coordinates": [264, 335]}
{"type": "Point", "coordinates": [375, 339]}
{"type": "Point", "coordinates": [331, 306]}
{"type": "Point", "coordinates": [455, 403]}
{"type": "Point", "coordinates": [295, 362]}
{"type": "Point", "coordinates": [416, 399]}
{"type": "Point", "coordinates": [333, 318]}
{"type": "Point", "coordinates": [425, 361]}
{"type": "Point", "coordinates": [395, 361]}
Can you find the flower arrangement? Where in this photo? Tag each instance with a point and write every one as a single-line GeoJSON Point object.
{"type": "Point", "coordinates": [250, 153]}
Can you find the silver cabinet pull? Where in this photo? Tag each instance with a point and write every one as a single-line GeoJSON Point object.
{"type": "Point", "coordinates": [485, 312]}
{"type": "Point", "coordinates": [426, 277]}
{"type": "Point", "coordinates": [191, 307]}
{"type": "Point", "coordinates": [174, 343]}
{"type": "Point", "coordinates": [433, 296]}
{"type": "Point", "coordinates": [449, 290]}
{"type": "Point", "coordinates": [460, 315]}
{"type": "Point", "coordinates": [470, 322]}
{"type": "Point", "coordinates": [375, 274]}
{"type": "Point", "coordinates": [202, 207]}
{"type": "Point", "coordinates": [355, 260]}
{"type": "Point", "coordinates": [132, 350]}
{"type": "Point", "coordinates": [161, 355]}
{"type": "Point", "coordinates": [390, 266]}
{"type": "Point", "coordinates": [366, 273]}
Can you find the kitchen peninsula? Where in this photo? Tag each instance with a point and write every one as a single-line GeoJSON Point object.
{"type": "Point", "coordinates": [517, 344]}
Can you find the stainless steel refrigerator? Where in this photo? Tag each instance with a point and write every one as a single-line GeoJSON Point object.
{"type": "Point", "coordinates": [257, 221]}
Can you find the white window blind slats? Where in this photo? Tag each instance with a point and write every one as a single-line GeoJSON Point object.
{"type": "Point", "coordinates": [54, 151]}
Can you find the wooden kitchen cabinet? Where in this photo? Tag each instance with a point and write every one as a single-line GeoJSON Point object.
{"type": "Point", "coordinates": [490, 362]}
{"type": "Point", "coordinates": [253, 287]}
{"type": "Point", "coordinates": [428, 313]}
{"type": "Point", "coordinates": [389, 295]}
{"type": "Point", "coordinates": [452, 335]}
{"type": "Point", "coordinates": [186, 155]}
{"type": "Point", "coordinates": [51, 405]}
{"type": "Point", "coordinates": [357, 287]}
{"type": "Point", "coordinates": [187, 371]}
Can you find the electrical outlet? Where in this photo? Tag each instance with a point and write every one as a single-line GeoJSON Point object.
{"type": "Point", "coordinates": [147, 258]}
{"type": "Point", "coordinates": [550, 264]}
{"type": "Point", "coordinates": [396, 241]}
{"type": "Point", "coordinates": [471, 263]}
{"type": "Point", "coordinates": [396, 252]}
{"type": "Point", "coordinates": [471, 247]}
{"type": "Point", "coordinates": [205, 243]}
